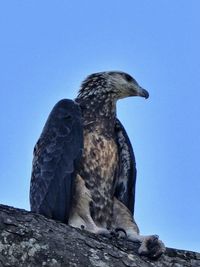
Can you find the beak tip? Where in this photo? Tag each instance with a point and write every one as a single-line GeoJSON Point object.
{"type": "Point", "coordinates": [145, 93]}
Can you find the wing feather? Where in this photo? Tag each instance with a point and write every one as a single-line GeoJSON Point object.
{"type": "Point", "coordinates": [126, 182]}
{"type": "Point", "coordinates": [56, 156]}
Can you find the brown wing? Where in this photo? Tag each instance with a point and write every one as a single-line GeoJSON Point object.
{"type": "Point", "coordinates": [56, 156]}
{"type": "Point", "coordinates": [126, 181]}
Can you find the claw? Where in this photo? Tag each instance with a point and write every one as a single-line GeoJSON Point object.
{"type": "Point", "coordinates": [152, 242]}
{"type": "Point", "coordinates": [152, 247]}
{"type": "Point", "coordinates": [156, 236]}
{"type": "Point", "coordinates": [116, 233]}
{"type": "Point", "coordinates": [118, 230]}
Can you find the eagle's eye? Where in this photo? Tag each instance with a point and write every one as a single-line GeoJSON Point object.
{"type": "Point", "coordinates": [128, 78]}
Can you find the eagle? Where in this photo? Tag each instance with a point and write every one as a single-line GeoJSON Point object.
{"type": "Point", "coordinates": [84, 170]}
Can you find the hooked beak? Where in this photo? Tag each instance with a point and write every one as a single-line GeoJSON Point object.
{"type": "Point", "coordinates": [139, 91]}
{"type": "Point", "coordinates": [144, 93]}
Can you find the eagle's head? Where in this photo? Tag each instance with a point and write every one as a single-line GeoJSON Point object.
{"type": "Point", "coordinates": [116, 84]}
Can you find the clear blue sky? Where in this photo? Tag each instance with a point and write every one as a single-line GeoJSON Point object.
{"type": "Point", "coordinates": [48, 47]}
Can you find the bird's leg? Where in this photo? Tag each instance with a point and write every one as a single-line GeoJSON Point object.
{"type": "Point", "coordinates": [80, 215]}
{"type": "Point", "coordinates": [149, 245]}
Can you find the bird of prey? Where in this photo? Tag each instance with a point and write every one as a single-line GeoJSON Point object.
{"type": "Point", "coordinates": [84, 170]}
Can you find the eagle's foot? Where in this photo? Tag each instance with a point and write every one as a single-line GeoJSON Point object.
{"type": "Point", "coordinates": [103, 231]}
{"type": "Point", "coordinates": [152, 247]}
{"type": "Point", "coordinates": [96, 230]}
{"type": "Point", "coordinates": [119, 233]}
{"type": "Point", "coordinates": [116, 233]}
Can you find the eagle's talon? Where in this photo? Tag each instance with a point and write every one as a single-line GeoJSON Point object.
{"type": "Point", "coordinates": [122, 231]}
{"type": "Point", "coordinates": [118, 233]}
{"type": "Point", "coordinates": [156, 237]}
{"type": "Point", "coordinates": [152, 247]}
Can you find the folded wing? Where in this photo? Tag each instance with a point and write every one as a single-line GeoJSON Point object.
{"type": "Point", "coordinates": [56, 157]}
{"type": "Point", "coordinates": [125, 188]}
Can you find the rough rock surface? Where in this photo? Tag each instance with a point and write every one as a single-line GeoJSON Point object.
{"type": "Point", "coordinates": [28, 239]}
